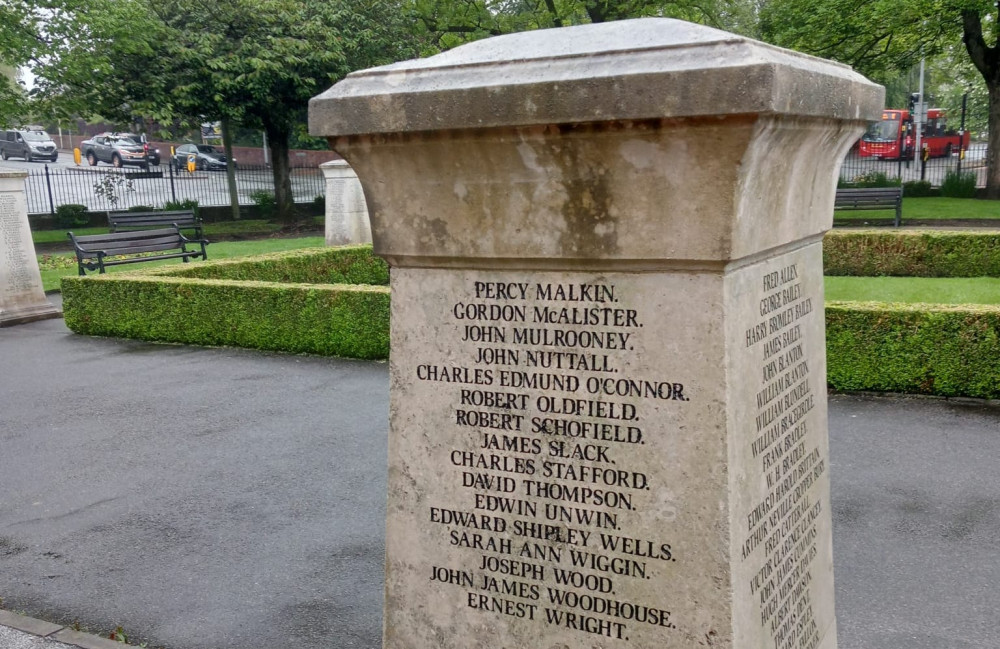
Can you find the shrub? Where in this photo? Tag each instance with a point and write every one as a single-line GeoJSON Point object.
{"type": "Point", "coordinates": [342, 265]}
{"type": "Point", "coordinates": [72, 216]}
{"type": "Point", "coordinates": [871, 179]}
{"type": "Point", "coordinates": [141, 208]}
{"type": "Point", "coordinates": [919, 189]}
{"type": "Point", "coordinates": [112, 187]}
{"type": "Point", "coordinates": [187, 204]}
{"type": "Point", "coordinates": [943, 350]}
{"type": "Point", "coordinates": [959, 185]}
{"type": "Point", "coordinates": [872, 253]}
{"type": "Point", "coordinates": [334, 320]}
{"type": "Point", "coordinates": [266, 203]}
{"type": "Point", "coordinates": [174, 304]}
{"type": "Point", "coordinates": [919, 348]}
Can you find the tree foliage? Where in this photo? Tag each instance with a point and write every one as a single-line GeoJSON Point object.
{"type": "Point", "coordinates": [877, 37]}
{"type": "Point", "coordinates": [21, 42]}
{"type": "Point", "coordinates": [254, 63]}
{"type": "Point", "coordinates": [880, 38]}
{"type": "Point", "coordinates": [446, 23]}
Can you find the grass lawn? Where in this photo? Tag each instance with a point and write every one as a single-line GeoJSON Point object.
{"type": "Point", "coordinates": [935, 290]}
{"type": "Point", "coordinates": [931, 208]}
{"type": "Point", "coordinates": [56, 265]}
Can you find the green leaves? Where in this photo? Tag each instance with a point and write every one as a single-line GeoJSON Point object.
{"type": "Point", "coordinates": [443, 24]}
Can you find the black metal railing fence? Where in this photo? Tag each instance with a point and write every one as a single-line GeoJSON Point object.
{"type": "Point", "coordinates": [932, 170]}
{"type": "Point", "coordinates": [101, 189]}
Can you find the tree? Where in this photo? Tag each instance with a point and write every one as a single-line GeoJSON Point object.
{"type": "Point", "coordinates": [447, 23]}
{"type": "Point", "coordinates": [264, 59]}
{"type": "Point", "coordinates": [881, 37]}
{"type": "Point", "coordinates": [20, 43]}
{"type": "Point", "coordinates": [255, 63]}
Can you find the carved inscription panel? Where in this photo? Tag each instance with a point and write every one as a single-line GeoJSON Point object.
{"type": "Point", "coordinates": [19, 277]}
{"type": "Point", "coordinates": [781, 487]}
{"type": "Point", "coordinates": [557, 461]}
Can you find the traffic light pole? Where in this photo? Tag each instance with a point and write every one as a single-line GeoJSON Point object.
{"type": "Point", "coordinates": [918, 117]}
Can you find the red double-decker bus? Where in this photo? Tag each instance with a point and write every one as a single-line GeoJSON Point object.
{"type": "Point", "coordinates": [894, 134]}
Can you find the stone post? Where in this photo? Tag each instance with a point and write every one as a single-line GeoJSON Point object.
{"type": "Point", "coordinates": [346, 211]}
{"type": "Point", "coordinates": [608, 421]}
{"type": "Point", "coordinates": [22, 298]}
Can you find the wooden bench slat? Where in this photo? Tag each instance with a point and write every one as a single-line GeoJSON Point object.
{"type": "Point", "coordinates": [136, 260]}
{"type": "Point", "coordinates": [131, 221]}
{"type": "Point", "coordinates": [133, 250]}
{"type": "Point", "coordinates": [870, 198]}
{"type": "Point", "coordinates": [162, 240]}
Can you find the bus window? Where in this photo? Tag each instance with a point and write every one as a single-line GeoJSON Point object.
{"type": "Point", "coordinates": [885, 130]}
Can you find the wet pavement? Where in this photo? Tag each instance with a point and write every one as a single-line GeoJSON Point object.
{"type": "Point", "coordinates": [232, 499]}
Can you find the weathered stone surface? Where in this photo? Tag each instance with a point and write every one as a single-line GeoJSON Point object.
{"type": "Point", "coordinates": [21, 296]}
{"type": "Point", "coordinates": [608, 416]}
{"type": "Point", "coordinates": [347, 220]}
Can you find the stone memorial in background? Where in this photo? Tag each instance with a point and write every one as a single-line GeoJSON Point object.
{"type": "Point", "coordinates": [22, 298]}
{"type": "Point", "coordinates": [346, 211]}
{"type": "Point", "coordinates": [608, 420]}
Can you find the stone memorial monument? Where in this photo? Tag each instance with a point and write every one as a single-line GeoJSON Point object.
{"type": "Point", "coordinates": [22, 298]}
{"type": "Point", "coordinates": [608, 420]}
{"type": "Point", "coordinates": [346, 211]}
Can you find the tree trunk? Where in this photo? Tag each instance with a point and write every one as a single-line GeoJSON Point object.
{"type": "Point", "coordinates": [987, 61]}
{"type": "Point", "coordinates": [551, 6]}
{"type": "Point", "coordinates": [227, 145]}
{"type": "Point", "coordinates": [595, 11]}
{"type": "Point", "coordinates": [993, 144]}
{"type": "Point", "coordinates": [277, 138]}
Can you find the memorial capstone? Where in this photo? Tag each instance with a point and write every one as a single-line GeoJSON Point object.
{"type": "Point", "coordinates": [346, 211]}
{"type": "Point", "coordinates": [608, 421]}
{"type": "Point", "coordinates": [22, 298]}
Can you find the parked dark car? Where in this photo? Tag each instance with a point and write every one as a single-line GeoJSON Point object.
{"type": "Point", "coordinates": [119, 149]}
{"type": "Point", "coordinates": [206, 157]}
{"type": "Point", "coordinates": [30, 143]}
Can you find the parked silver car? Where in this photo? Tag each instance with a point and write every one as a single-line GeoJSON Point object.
{"type": "Point", "coordinates": [206, 157]}
{"type": "Point", "coordinates": [119, 149]}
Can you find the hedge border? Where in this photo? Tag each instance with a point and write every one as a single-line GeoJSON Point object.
{"type": "Point", "coordinates": [162, 304]}
{"type": "Point", "coordinates": [942, 350]}
{"type": "Point", "coordinates": [912, 253]}
{"type": "Point", "coordinates": [951, 351]}
{"type": "Point", "coordinates": [339, 265]}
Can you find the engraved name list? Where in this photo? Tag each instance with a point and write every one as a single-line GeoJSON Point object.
{"type": "Point", "coordinates": [547, 424]}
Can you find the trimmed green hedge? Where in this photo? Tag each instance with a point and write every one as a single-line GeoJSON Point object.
{"type": "Point", "coordinates": [914, 348]}
{"type": "Point", "coordinates": [342, 265]}
{"type": "Point", "coordinates": [916, 253]}
{"type": "Point", "coordinates": [350, 320]}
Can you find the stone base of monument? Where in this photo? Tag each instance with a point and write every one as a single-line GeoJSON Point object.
{"type": "Point", "coordinates": [11, 317]}
{"type": "Point", "coordinates": [22, 298]}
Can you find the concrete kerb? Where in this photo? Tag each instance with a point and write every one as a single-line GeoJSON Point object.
{"type": "Point", "coordinates": [54, 636]}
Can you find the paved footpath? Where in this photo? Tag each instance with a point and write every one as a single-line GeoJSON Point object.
{"type": "Point", "coordinates": [231, 499]}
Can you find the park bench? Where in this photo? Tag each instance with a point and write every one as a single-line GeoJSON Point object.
{"type": "Point", "coordinates": [93, 251]}
{"type": "Point", "coordinates": [871, 198]}
{"type": "Point", "coordinates": [131, 221]}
